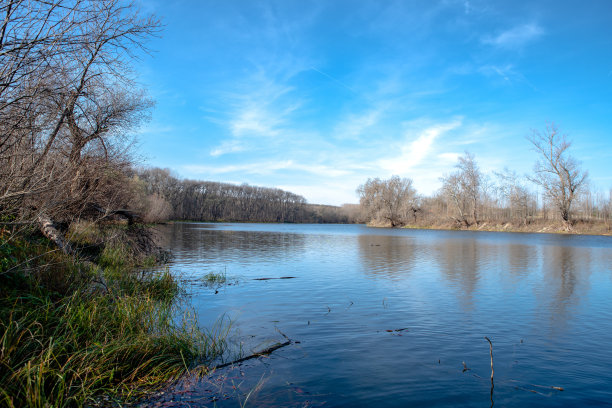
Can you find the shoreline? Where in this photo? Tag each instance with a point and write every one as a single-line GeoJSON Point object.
{"type": "Point", "coordinates": [535, 228]}
{"type": "Point", "coordinates": [599, 229]}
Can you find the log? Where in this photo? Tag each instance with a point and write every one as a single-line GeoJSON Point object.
{"type": "Point", "coordinates": [47, 227]}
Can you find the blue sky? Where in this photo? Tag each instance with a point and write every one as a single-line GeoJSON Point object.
{"type": "Point", "coordinates": [316, 96]}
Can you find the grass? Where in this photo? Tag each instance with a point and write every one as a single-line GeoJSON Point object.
{"type": "Point", "coordinates": [67, 341]}
{"type": "Point", "coordinates": [215, 278]}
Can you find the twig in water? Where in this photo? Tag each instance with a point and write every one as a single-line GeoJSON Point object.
{"type": "Point", "coordinates": [551, 387]}
{"type": "Point", "coordinates": [282, 334]}
{"type": "Point", "coordinates": [491, 353]}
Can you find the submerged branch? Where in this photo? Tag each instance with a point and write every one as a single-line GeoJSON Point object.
{"type": "Point", "coordinates": [264, 352]}
{"type": "Point", "coordinates": [261, 353]}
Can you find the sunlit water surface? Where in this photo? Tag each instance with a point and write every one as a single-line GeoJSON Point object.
{"type": "Point", "coordinates": [383, 317]}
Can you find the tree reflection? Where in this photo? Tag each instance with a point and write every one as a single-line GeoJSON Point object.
{"type": "Point", "coordinates": [192, 242]}
{"type": "Point", "coordinates": [460, 261]}
{"type": "Point", "coordinates": [566, 273]}
{"type": "Point", "coordinates": [386, 256]}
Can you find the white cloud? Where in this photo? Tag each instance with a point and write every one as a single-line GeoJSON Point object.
{"type": "Point", "coordinates": [229, 146]}
{"type": "Point", "coordinates": [414, 152]}
{"type": "Point", "coordinates": [254, 121]}
{"type": "Point", "coordinates": [515, 37]}
{"type": "Point", "coordinates": [250, 168]}
{"type": "Point", "coordinates": [268, 167]}
{"type": "Point", "coordinates": [449, 157]}
{"type": "Point", "coordinates": [332, 193]}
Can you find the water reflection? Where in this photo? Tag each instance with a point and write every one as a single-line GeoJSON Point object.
{"type": "Point", "coordinates": [197, 243]}
{"type": "Point", "coordinates": [566, 272]}
{"type": "Point", "coordinates": [461, 262]}
{"type": "Point", "coordinates": [518, 259]}
{"type": "Point", "coordinates": [386, 256]}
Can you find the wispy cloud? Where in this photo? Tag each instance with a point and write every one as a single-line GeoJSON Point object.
{"type": "Point", "coordinates": [259, 168]}
{"type": "Point", "coordinates": [254, 121]}
{"type": "Point", "coordinates": [259, 109]}
{"type": "Point", "coordinates": [229, 146]}
{"type": "Point", "coordinates": [506, 72]}
{"type": "Point", "coordinates": [515, 37]}
{"type": "Point", "coordinates": [415, 151]}
{"type": "Point", "coordinates": [268, 167]}
{"type": "Point", "coordinates": [354, 125]}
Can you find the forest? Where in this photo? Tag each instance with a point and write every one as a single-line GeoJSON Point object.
{"type": "Point", "coordinates": [170, 198]}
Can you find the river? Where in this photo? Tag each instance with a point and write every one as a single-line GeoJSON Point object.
{"type": "Point", "coordinates": [398, 317]}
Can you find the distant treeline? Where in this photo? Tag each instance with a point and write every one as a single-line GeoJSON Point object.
{"type": "Point", "coordinates": [172, 198]}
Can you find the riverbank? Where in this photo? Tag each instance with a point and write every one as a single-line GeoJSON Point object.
{"type": "Point", "coordinates": [91, 329]}
{"type": "Point", "coordinates": [539, 226]}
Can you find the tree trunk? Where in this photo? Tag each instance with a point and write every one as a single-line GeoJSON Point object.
{"type": "Point", "coordinates": [49, 231]}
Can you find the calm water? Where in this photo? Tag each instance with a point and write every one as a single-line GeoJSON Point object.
{"type": "Point", "coordinates": [388, 317]}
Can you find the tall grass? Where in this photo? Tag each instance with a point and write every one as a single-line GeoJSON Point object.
{"type": "Point", "coordinates": [65, 343]}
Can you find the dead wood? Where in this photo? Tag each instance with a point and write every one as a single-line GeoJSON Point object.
{"type": "Point", "coordinates": [261, 353]}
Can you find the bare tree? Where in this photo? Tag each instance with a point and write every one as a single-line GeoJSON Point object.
{"type": "Point", "coordinates": [556, 172]}
{"type": "Point", "coordinates": [515, 194]}
{"type": "Point", "coordinates": [389, 201]}
{"type": "Point", "coordinates": [68, 101]}
{"type": "Point", "coordinates": [463, 189]}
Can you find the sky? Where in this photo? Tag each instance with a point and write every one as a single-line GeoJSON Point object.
{"type": "Point", "coordinates": [317, 96]}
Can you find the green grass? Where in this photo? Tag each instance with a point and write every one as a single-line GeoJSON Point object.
{"type": "Point", "coordinates": [215, 278]}
{"type": "Point", "coordinates": [65, 341]}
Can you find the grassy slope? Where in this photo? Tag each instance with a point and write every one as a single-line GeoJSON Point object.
{"type": "Point", "coordinates": [69, 338]}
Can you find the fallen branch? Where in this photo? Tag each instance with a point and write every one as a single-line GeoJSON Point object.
{"type": "Point", "coordinates": [261, 353]}
{"type": "Point", "coordinates": [282, 277]}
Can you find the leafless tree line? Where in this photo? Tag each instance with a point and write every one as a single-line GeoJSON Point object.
{"type": "Point", "coordinates": [68, 101]}
{"type": "Point", "coordinates": [212, 201]}
{"type": "Point", "coordinates": [468, 197]}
